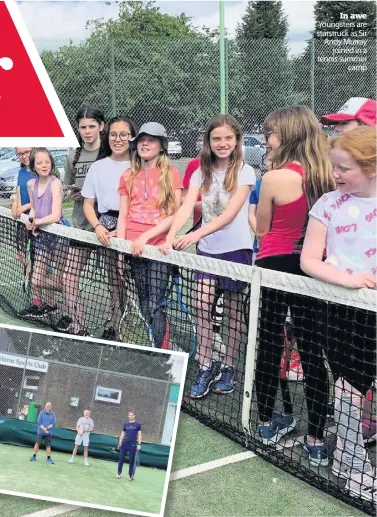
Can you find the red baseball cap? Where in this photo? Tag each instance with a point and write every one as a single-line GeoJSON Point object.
{"type": "Point", "coordinates": [356, 108]}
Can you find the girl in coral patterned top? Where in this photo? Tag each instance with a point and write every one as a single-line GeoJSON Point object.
{"type": "Point", "coordinates": [344, 222]}
{"type": "Point", "coordinates": [150, 195]}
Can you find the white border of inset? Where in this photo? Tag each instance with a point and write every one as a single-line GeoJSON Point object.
{"type": "Point", "coordinates": [69, 139]}
{"type": "Point", "coordinates": [175, 429]}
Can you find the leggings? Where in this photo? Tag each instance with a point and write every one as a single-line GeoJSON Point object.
{"type": "Point", "coordinates": [274, 311]}
{"type": "Point", "coordinates": [151, 280]}
{"type": "Point", "coordinates": [343, 334]}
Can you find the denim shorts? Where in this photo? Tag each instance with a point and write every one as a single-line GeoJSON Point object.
{"type": "Point", "coordinates": [244, 256]}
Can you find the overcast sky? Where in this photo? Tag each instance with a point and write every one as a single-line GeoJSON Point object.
{"type": "Point", "coordinates": [66, 19]}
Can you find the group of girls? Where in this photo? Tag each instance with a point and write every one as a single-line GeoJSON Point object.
{"type": "Point", "coordinates": [134, 192]}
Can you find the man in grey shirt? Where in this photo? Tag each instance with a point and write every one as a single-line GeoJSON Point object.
{"type": "Point", "coordinates": [84, 427]}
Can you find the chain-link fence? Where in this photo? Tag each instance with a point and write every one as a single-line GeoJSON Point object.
{"type": "Point", "coordinates": [177, 82]}
{"type": "Point", "coordinates": [76, 375]}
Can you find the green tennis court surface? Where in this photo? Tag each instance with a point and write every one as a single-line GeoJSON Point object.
{"type": "Point", "coordinates": [95, 485]}
{"type": "Point", "coordinates": [248, 488]}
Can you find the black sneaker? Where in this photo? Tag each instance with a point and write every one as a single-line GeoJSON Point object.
{"type": "Point", "coordinates": [31, 312]}
{"type": "Point", "coordinates": [109, 334]}
{"type": "Point", "coordinates": [64, 323]}
{"type": "Point", "coordinates": [45, 309]}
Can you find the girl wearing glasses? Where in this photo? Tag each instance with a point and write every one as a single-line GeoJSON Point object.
{"type": "Point", "coordinates": [24, 175]}
{"type": "Point", "coordinates": [100, 190]}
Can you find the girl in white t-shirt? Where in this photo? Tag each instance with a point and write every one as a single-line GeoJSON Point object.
{"type": "Point", "coordinates": [225, 182]}
{"type": "Point", "coordinates": [100, 191]}
{"type": "Point", "coordinates": [344, 223]}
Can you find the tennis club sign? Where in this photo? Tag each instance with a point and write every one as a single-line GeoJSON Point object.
{"type": "Point", "coordinates": [18, 361]}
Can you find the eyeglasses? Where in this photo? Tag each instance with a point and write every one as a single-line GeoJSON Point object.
{"type": "Point", "coordinates": [267, 135]}
{"type": "Point", "coordinates": [25, 153]}
{"type": "Point", "coordinates": [122, 136]}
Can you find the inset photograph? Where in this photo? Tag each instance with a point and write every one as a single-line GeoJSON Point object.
{"type": "Point", "coordinates": [88, 423]}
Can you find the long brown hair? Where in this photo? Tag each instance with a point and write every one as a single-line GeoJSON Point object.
{"type": "Point", "coordinates": [360, 144]}
{"type": "Point", "coordinates": [207, 157]}
{"type": "Point", "coordinates": [302, 140]}
{"type": "Point", "coordinates": [166, 194]}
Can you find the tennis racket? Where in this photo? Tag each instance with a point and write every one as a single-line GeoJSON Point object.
{"type": "Point", "coordinates": [180, 323]}
{"type": "Point", "coordinates": [136, 463]}
{"type": "Point", "coordinates": [289, 346]}
{"type": "Point", "coordinates": [94, 280]}
{"type": "Point", "coordinates": [27, 263]}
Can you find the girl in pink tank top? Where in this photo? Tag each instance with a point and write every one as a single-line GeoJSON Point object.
{"type": "Point", "coordinates": [301, 173]}
{"type": "Point", "coordinates": [45, 192]}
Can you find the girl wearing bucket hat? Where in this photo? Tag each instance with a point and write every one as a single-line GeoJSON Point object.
{"type": "Point", "coordinates": [150, 193]}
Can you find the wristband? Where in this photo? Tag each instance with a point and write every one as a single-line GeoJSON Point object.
{"type": "Point", "coordinates": [99, 224]}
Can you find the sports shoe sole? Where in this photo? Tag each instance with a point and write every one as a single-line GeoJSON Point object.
{"type": "Point", "coordinates": [201, 395]}
{"type": "Point", "coordinates": [367, 495]}
{"type": "Point", "coordinates": [223, 392]}
{"type": "Point", "coordinates": [278, 436]}
{"type": "Point", "coordinates": [339, 473]}
{"type": "Point", "coordinates": [372, 439]}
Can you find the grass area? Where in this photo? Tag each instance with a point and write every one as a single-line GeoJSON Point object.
{"type": "Point", "coordinates": [17, 506]}
{"type": "Point", "coordinates": [250, 488]}
{"type": "Point", "coordinates": [197, 444]}
{"type": "Point", "coordinates": [77, 483]}
{"type": "Point", "coordinates": [67, 205]}
{"type": "Point", "coordinates": [8, 320]}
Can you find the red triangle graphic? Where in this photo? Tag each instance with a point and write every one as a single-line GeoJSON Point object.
{"type": "Point", "coordinates": [25, 110]}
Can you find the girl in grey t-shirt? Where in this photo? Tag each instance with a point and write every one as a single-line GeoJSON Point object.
{"type": "Point", "coordinates": [90, 124]}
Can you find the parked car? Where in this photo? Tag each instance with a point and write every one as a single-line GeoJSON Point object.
{"type": "Point", "coordinates": [175, 149]}
{"type": "Point", "coordinates": [8, 177]}
{"type": "Point", "coordinates": [6, 153]}
{"type": "Point", "coordinates": [189, 140]}
{"type": "Point", "coordinates": [254, 150]}
{"type": "Point", "coordinates": [8, 182]}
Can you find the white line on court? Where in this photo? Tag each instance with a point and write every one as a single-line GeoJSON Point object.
{"type": "Point", "coordinates": [235, 458]}
{"type": "Point", "coordinates": [210, 465]}
{"type": "Point", "coordinates": [55, 510]}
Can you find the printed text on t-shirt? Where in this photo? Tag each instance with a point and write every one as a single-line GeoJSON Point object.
{"type": "Point", "coordinates": [346, 228]}
{"type": "Point", "coordinates": [340, 201]}
{"type": "Point", "coordinates": [369, 217]}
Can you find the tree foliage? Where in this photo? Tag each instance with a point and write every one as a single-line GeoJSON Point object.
{"type": "Point", "coordinates": [263, 66]}
{"type": "Point", "coordinates": [145, 63]}
{"type": "Point", "coordinates": [334, 80]}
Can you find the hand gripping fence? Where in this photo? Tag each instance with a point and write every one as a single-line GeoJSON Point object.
{"type": "Point", "coordinates": [266, 347]}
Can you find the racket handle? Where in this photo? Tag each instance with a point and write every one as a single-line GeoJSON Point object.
{"type": "Point", "coordinates": [18, 191]}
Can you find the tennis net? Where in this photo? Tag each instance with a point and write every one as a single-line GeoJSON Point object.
{"type": "Point", "coordinates": [272, 344]}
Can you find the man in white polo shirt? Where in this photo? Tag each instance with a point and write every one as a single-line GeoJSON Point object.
{"type": "Point", "coordinates": [84, 427]}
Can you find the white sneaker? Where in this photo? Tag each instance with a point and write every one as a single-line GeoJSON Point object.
{"type": "Point", "coordinates": [86, 463]}
{"type": "Point", "coordinates": [363, 485]}
{"type": "Point", "coordinates": [71, 461]}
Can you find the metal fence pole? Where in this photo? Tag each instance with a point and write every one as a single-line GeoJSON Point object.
{"type": "Point", "coordinates": [312, 76]}
{"type": "Point", "coordinates": [222, 59]}
{"type": "Point", "coordinates": [24, 374]}
{"type": "Point", "coordinates": [113, 94]}
{"type": "Point", "coordinates": [97, 375]}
